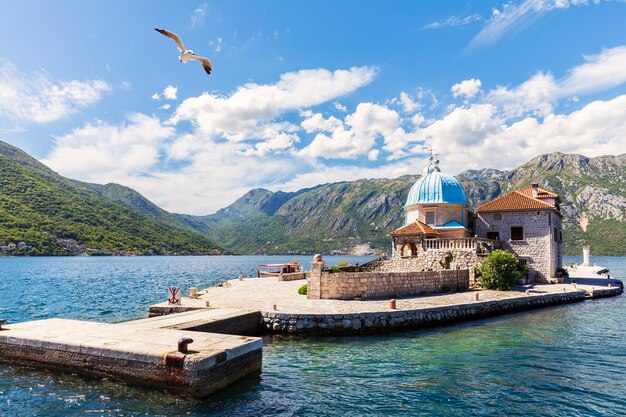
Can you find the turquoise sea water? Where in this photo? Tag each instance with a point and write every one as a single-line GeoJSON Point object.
{"type": "Point", "coordinates": [566, 360]}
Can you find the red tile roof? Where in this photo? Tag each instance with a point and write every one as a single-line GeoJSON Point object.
{"type": "Point", "coordinates": [520, 200]}
{"type": "Point", "coordinates": [541, 193]}
{"type": "Point", "coordinates": [415, 228]}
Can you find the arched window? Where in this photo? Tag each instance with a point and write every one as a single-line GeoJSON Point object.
{"type": "Point", "coordinates": [409, 249]}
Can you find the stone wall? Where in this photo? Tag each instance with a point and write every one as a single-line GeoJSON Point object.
{"type": "Point", "coordinates": [427, 260]}
{"type": "Point", "coordinates": [292, 276]}
{"type": "Point", "coordinates": [536, 248]}
{"type": "Point", "coordinates": [370, 285]}
{"type": "Point", "coordinates": [381, 321]}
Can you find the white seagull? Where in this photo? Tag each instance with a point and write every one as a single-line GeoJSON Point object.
{"type": "Point", "coordinates": [186, 54]}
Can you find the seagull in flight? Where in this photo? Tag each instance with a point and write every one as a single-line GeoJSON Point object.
{"type": "Point", "coordinates": [187, 54]}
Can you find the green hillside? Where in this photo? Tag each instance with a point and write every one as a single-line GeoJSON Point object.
{"type": "Point", "coordinates": [52, 215]}
{"type": "Point", "coordinates": [55, 215]}
{"type": "Point", "coordinates": [356, 216]}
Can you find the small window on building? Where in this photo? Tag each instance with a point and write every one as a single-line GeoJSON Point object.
{"type": "Point", "coordinates": [522, 261]}
{"type": "Point", "coordinates": [430, 218]}
{"type": "Point", "coordinates": [556, 235]}
{"type": "Point", "coordinates": [560, 237]}
{"type": "Point", "coordinates": [517, 233]}
{"type": "Point", "coordinates": [493, 235]}
{"type": "Point", "coordinates": [497, 216]}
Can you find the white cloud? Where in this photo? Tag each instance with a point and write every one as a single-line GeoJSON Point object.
{"type": "Point", "coordinates": [534, 96]}
{"type": "Point", "coordinates": [516, 16]}
{"type": "Point", "coordinates": [408, 104]}
{"type": "Point", "coordinates": [169, 93]}
{"type": "Point", "coordinates": [596, 129]}
{"type": "Point", "coordinates": [216, 44]}
{"type": "Point", "coordinates": [101, 152]}
{"type": "Point", "coordinates": [454, 21]}
{"type": "Point", "coordinates": [317, 123]}
{"type": "Point", "coordinates": [340, 107]}
{"type": "Point", "coordinates": [166, 106]}
{"type": "Point", "coordinates": [599, 72]}
{"type": "Point", "coordinates": [466, 88]}
{"type": "Point", "coordinates": [242, 114]}
{"type": "Point", "coordinates": [199, 15]}
{"type": "Point", "coordinates": [36, 98]}
{"type": "Point", "coordinates": [462, 127]}
{"type": "Point", "coordinates": [280, 143]}
{"type": "Point", "coordinates": [358, 135]}
{"type": "Point", "coordinates": [538, 94]}
{"type": "Point", "coordinates": [247, 139]}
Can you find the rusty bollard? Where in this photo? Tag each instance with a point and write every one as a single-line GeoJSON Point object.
{"type": "Point", "coordinates": [183, 344]}
{"type": "Point", "coordinates": [2, 322]}
{"type": "Point", "coordinates": [392, 304]}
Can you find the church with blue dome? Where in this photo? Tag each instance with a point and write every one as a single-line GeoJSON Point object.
{"type": "Point", "coordinates": [441, 231]}
{"type": "Point", "coordinates": [438, 201]}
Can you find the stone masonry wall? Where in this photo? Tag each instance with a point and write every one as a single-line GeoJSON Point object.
{"type": "Point", "coordinates": [426, 260]}
{"type": "Point", "coordinates": [381, 321]}
{"type": "Point", "coordinates": [536, 247]}
{"type": "Point", "coordinates": [370, 285]}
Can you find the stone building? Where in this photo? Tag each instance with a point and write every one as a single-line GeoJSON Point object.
{"type": "Point", "coordinates": [441, 232]}
{"type": "Point", "coordinates": [528, 222]}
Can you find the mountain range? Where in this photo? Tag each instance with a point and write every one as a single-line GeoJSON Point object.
{"type": "Point", "coordinates": [343, 217]}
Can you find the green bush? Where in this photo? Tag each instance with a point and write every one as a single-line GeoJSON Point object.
{"type": "Point", "coordinates": [562, 273]}
{"type": "Point", "coordinates": [335, 269]}
{"type": "Point", "coordinates": [343, 263]}
{"type": "Point", "coordinates": [303, 290]}
{"type": "Point", "coordinates": [499, 271]}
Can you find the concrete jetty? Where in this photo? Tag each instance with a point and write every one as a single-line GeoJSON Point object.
{"type": "Point", "coordinates": [140, 353]}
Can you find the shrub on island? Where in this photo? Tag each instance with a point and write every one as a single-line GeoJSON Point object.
{"type": "Point", "coordinates": [303, 290]}
{"type": "Point", "coordinates": [499, 271]}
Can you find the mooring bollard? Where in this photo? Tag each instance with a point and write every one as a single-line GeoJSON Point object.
{"type": "Point", "coordinates": [527, 292]}
{"type": "Point", "coordinates": [2, 322]}
{"type": "Point", "coordinates": [207, 303]}
{"type": "Point", "coordinates": [476, 296]}
{"type": "Point", "coordinates": [392, 304]}
{"type": "Point", "coordinates": [274, 307]}
{"type": "Point", "coordinates": [574, 285]}
{"type": "Point", "coordinates": [183, 344]}
{"type": "Point", "coordinates": [563, 289]}
{"type": "Point", "coordinates": [240, 277]}
{"type": "Point", "coordinates": [193, 292]}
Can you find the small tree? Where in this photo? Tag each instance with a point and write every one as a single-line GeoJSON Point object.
{"type": "Point", "coordinates": [499, 271]}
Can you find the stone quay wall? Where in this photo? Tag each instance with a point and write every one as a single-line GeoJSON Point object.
{"type": "Point", "coordinates": [383, 321]}
{"type": "Point", "coordinates": [371, 285]}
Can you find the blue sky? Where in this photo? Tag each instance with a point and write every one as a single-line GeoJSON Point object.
{"type": "Point", "coordinates": [303, 94]}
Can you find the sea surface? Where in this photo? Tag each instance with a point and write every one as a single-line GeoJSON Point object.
{"type": "Point", "coordinates": [560, 361]}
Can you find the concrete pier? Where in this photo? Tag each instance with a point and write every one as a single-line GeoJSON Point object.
{"type": "Point", "coordinates": [138, 353]}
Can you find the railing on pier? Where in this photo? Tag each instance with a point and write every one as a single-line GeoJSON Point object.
{"type": "Point", "coordinates": [477, 244]}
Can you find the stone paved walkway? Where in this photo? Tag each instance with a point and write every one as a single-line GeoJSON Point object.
{"type": "Point", "coordinates": [263, 293]}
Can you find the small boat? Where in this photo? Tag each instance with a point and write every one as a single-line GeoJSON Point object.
{"type": "Point", "coordinates": [275, 270]}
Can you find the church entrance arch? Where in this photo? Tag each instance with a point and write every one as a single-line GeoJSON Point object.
{"type": "Point", "coordinates": [409, 249]}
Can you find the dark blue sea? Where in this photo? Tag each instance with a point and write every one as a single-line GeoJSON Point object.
{"type": "Point", "coordinates": [560, 361]}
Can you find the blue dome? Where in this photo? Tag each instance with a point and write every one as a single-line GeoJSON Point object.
{"type": "Point", "coordinates": [436, 188]}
